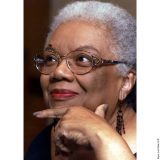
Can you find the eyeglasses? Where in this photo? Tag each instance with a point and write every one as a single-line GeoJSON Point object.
{"type": "Point", "coordinates": [79, 61]}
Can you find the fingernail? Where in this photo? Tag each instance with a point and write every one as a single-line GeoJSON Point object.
{"type": "Point", "coordinates": [37, 114]}
{"type": "Point", "coordinates": [105, 106]}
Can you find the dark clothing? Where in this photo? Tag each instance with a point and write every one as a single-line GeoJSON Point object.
{"type": "Point", "coordinates": [41, 146]}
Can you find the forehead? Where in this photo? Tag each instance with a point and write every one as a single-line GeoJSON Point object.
{"type": "Point", "coordinates": [75, 34]}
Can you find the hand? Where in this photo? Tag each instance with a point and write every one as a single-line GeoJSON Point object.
{"type": "Point", "coordinates": [71, 131]}
{"type": "Point", "coordinates": [79, 127]}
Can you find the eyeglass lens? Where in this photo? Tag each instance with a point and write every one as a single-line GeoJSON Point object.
{"type": "Point", "coordinates": [78, 62]}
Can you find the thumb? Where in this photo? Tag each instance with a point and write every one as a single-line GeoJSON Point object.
{"type": "Point", "coordinates": [101, 110]}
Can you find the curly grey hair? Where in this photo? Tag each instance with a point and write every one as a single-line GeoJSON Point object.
{"type": "Point", "coordinates": [122, 24]}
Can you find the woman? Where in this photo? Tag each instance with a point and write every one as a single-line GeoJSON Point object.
{"type": "Point", "coordinates": [88, 81]}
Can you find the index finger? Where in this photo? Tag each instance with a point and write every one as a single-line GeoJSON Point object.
{"type": "Point", "coordinates": [51, 113]}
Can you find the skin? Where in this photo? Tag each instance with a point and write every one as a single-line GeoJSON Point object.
{"type": "Point", "coordinates": [83, 117]}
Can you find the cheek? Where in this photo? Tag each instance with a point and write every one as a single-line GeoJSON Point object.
{"type": "Point", "coordinates": [98, 81]}
{"type": "Point", "coordinates": [102, 86]}
{"type": "Point", "coordinates": [44, 80]}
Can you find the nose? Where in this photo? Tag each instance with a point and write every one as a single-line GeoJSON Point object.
{"type": "Point", "coordinates": [62, 72]}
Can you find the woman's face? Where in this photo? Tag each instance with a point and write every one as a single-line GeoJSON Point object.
{"type": "Point", "coordinates": [102, 85]}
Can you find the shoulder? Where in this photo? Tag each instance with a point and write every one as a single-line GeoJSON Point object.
{"type": "Point", "coordinates": [40, 147]}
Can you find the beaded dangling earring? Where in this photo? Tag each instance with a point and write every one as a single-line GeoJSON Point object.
{"type": "Point", "coordinates": [120, 122]}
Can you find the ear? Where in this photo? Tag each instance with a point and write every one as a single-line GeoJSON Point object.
{"type": "Point", "coordinates": [127, 85]}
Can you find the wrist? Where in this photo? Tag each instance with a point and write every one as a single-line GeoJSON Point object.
{"type": "Point", "coordinates": [110, 147]}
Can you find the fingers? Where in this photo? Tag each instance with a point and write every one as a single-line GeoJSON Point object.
{"type": "Point", "coordinates": [101, 110]}
{"type": "Point", "coordinates": [51, 113]}
{"type": "Point", "coordinates": [59, 112]}
{"type": "Point", "coordinates": [68, 141]}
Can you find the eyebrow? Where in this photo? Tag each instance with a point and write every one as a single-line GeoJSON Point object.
{"type": "Point", "coordinates": [49, 48]}
{"type": "Point", "coordinates": [83, 47]}
{"type": "Point", "coordinates": [87, 47]}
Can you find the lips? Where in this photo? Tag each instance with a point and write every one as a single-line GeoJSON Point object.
{"type": "Point", "coordinates": [62, 94]}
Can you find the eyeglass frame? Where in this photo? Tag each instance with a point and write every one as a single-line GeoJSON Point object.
{"type": "Point", "coordinates": [100, 61]}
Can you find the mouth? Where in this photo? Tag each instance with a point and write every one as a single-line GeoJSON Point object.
{"type": "Point", "coordinates": [62, 94]}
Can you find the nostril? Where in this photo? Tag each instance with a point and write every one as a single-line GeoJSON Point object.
{"type": "Point", "coordinates": [62, 73]}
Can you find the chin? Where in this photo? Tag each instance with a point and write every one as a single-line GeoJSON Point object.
{"type": "Point", "coordinates": [68, 103]}
{"type": "Point", "coordinates": [55, 102]}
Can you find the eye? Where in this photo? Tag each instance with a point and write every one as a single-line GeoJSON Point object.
{"type": "Point", "coordinates": [83, 60]}
{"type": "Point", "coordinates": [39, 60]}
{"type": "Point", "coordinates": [51, 60]}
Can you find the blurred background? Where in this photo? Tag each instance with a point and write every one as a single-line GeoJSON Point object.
{"type": "Point", "coordinates": [37, 17]}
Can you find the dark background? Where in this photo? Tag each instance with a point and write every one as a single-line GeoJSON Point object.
{"type": "Point", "coordinates": [37, 17]}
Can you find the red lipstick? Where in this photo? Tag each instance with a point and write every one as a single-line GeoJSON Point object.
{"type": "Point", "coordinates": [62, 94]}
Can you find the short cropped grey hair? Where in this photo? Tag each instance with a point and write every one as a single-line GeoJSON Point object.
{"type": "Point", "coordinates": [122, 24]}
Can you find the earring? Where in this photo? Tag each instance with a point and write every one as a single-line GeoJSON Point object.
{"type": "Point", "coordinates": [120, 122]}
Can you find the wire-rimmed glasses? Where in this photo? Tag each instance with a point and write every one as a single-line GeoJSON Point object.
{"type": "Point", "coordinates": [79, 61]}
